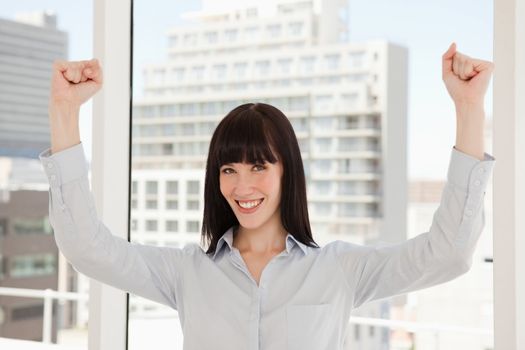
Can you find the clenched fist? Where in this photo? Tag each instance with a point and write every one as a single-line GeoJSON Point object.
{"type": "Point", "coordinates": [466, 78]}
{"type": "Point", "coordinates": [73, 83]}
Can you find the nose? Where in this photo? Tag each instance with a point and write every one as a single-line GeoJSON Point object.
{"type": "Point", "coordinates": [244, 186]}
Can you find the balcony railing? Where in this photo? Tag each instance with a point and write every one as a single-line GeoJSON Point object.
{"type": "Point", "coordinates": [48, 295]}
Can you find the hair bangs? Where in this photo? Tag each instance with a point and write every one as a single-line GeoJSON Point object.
{"type": "Point", "coordinates": [247, 139]}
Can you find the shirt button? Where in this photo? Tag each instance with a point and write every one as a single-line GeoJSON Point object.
{"type": "Point", "coordinates": [469, 212]}
{"type": "Point", "coordinates": [477, 183]}
{"type": "Point", "coordinates": [53, 177]}
{"type": "Point", "coordinates": [49, 165]}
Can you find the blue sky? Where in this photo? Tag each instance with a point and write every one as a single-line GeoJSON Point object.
{"type": "Point", "coordinates": [425, 28]}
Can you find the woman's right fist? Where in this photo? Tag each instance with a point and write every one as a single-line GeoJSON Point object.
{"type": "Point", "coordinates": [74, 82]}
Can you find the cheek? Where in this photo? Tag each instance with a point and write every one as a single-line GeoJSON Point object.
{"type": "Point", "coordinates": [223, 186]}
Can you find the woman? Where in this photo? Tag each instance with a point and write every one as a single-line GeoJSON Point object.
{"type": "Point", "coordinates": [263, 283]}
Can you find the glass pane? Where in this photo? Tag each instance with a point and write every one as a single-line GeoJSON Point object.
{"type": "Point", "coordinates": [33, 33]}
{"type": "Point", "coordinates": [338, 82]}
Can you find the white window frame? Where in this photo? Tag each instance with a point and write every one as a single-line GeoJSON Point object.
{"type": "Point", "coordinates": [110, 161]}
{"type": "Point", "coordinates": [110, 168]}
{"type": "Point", "coordinates": [509, 188]}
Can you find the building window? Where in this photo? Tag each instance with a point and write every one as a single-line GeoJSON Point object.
{"type": "Point", "coordinates": [192, 205]}
{"type": "Point", "coordinates": [134, 187]}
{"type": "Point", "coordinates": [192, 226]}
{"type": "Point", "coordinates": [3, 271]}
{"type": "Point", "coordinates": [151, 187]}
{"type": "Point", "coordinates": [151, 225]}
{"type": "Point", "coordinates": [285, 65]}
{"type": "Point", "coordinates": [274, 30]}
{"type": "Point", "coordinates": [33, 265]}
{"type": "Point", "coordinates": [193, 187]}
{"type": "Point", "coordinates": [27, 312]}
{"type": "Point", "coordinates": [172, 187]}
{"type": "Point", "coordinates": [296, 28]}
{"type": "Point", "coordinates": [307, 63]}
{"type": "Point", "coordinates": [332, 62]}
{"type": "Point", "coordinates": [240, 69]}
{"type": "Point", "coordinates": [3, 227]}
{"type": "Point", "coordinates": [197, 72]}
{"type": "Point", "coordinates": [24, 226]}
{"type": "Point", "coordinates": [219, 71]}
{"type": "Point", "coordinates": [134, 225]}
{"type": "Point", "coordinates": [133, 204]}
{"type": "Point", "coordinates": [262, 67]}
{"type": "Point", "coordinates": [172, 226]}
{"type": "Point", "coordinates": [231, 34]}
{"type": "Point", "coordinates": [151, 204]}
{"type": "Point", "coordinates": [211, 37]}
{"type": "Point", "coordinates": [172, 204]}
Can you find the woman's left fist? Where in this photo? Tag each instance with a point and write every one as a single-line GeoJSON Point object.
{"type": "Point", "coordinates": [466, 78]}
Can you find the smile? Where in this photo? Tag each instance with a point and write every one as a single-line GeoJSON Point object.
{"type": "Point", "coordinates": [249, 206]}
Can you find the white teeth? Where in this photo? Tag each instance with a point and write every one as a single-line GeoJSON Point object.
{"type": "Point", "coordinates": [248, 205]}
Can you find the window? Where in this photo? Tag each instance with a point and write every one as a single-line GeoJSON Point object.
{"type": "Point", "coordinates": [151, 187]}
{"type": "Point", "coordinates": [211, 37]}
{"type": "Point", "coordinates": [240, 69]}
{"type": "Point", "coordinates": [172, 226]}
{"type": "Point", "coordinates": [172, 204]}
{"type": "Point", "coordinates": [219, 71]}
{"type": "Point", "coordinates": [285, 65]}
{"type": "Point", "coordinates": [172, 187]}
{"type": "Point", "coordinates": [197, 72]}
{"type": "Point", "coordinates": [30, 265]}
{"type": "Point", "coordinates": [274, 30]}
{"type": "Point", "coordinates": [24, 226]}
{"type": "Point", "coordinates": [231, 35]}
{"type": "Point", "coordinates": [307, 64]}
{"type": "Point", "coordinates": [192, 205]}
{"type": "Point", "coordinates": [27, 312]}
{"type": "Point", "coordinates": [296, 28]}
{"type": "Point", "coordinates": [262, 67]}
{"type": "Point", "coordinates": [192, 226]}
{"type": "Point", "coordinates": [151, 204]}
{"type": "Point", "coordinates": [193, 187]}
{"type": "Point", "coordinates": [151, 225]}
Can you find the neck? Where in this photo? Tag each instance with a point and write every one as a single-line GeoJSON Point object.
{"type": "Point", "coordinates": [261, 240]}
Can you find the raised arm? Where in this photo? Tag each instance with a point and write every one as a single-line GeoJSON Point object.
{"type": "Point", "coordinates": [148, 271]}
{"type": "Point", "coordinates": [445, 251]}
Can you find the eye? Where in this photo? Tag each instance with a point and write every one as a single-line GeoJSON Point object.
{"type": "Point", "coordinates": [260, 166]}
{"type": "Point", "coordinates": [225, 170]}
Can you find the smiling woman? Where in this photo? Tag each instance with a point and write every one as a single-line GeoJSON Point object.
{"type": "Point", "coordinates": [254, 155]}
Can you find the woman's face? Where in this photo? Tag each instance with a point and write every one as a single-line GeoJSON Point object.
{"type": "Point", "coordinates": [248, 184]}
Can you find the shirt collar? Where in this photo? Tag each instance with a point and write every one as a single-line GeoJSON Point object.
{"type": "Point", "coordinates": [227, 238]}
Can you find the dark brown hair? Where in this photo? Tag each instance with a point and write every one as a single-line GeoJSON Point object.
{"type": "Point", "coordinates": [248, 134]}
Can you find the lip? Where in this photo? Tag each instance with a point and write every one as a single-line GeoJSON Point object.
{"type": "Point", "coordinates": [251, 210]}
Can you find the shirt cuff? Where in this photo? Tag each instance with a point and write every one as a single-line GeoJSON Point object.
{"type": "Point", "coordinates": [466, 171]}
{"type": "Point", "coordinates": [64, 166]}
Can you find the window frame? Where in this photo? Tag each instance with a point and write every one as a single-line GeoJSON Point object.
{"type": "Point", "coordinates": [108, 306]}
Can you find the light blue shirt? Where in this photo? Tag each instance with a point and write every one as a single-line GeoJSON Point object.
{"type": "Point", "coordinates": [305, 294]}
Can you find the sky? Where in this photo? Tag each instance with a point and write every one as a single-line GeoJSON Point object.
{"type": "Point", "coordinates": [425, 28]}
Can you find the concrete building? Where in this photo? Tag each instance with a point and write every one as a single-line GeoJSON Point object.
{"type": "Point", "coordinates": [29, 257]}
{"type": "Point", "coordinates": [29, 44]}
